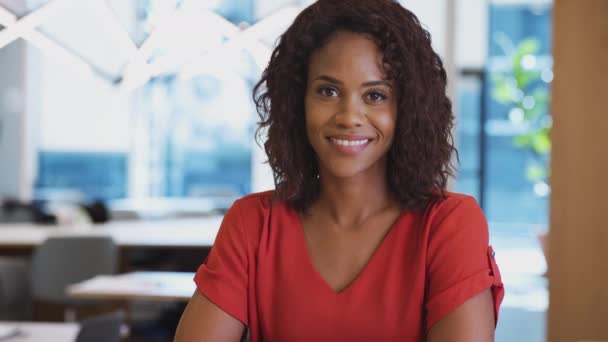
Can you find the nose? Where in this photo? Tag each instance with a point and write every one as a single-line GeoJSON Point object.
{"type": "Point", "coordinates": [351, 113]}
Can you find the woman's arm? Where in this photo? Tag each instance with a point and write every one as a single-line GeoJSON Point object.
{"type": "Point", "coordinates": [204, 321]}
{"type": "Point", "coordinates": [473, 321]}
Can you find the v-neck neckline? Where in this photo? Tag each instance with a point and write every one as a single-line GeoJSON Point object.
{"type": "Point", "coordinates": [303, 246]}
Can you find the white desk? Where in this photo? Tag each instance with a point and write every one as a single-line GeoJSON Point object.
{"type": "Point", "coordinates": [182, 233]}
{"type": "Point", "coordinates": [155, 286]}
{"type": "Point", "coordinates": [41, 332]}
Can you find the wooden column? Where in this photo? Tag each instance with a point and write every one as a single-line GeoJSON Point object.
{"type": "Point", "coordinates": [578, 255]}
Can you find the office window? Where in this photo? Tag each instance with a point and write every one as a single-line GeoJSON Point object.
{"type": "Point", "coordinates": [469, 136]}
{"type": "Point", "coordinates": [516, 187]}
{"type": "Point", "coordinates": [84, 132]}
{"type": "Point", "coordinates": [83, 121]}
{"type": "Point", "coordinates": [499, 164]}
{"type": "Point", "coordinates": [199, 118]}
{"type": "Point", "coordinates": [99, 175]}
{"type": "Point", "coordinates": [184, 130]}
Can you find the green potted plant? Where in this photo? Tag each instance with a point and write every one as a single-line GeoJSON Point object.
{"type": "Point", "coordinates": [522, 84]}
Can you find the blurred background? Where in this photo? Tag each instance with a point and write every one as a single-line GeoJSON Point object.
{"type": "Point", "coordinates": [118, 114]}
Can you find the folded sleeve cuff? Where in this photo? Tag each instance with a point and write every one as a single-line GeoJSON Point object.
{"type": "Point", "coordinates": [451, 298]}
{"type": "Point", "coordinates": [208, 284]}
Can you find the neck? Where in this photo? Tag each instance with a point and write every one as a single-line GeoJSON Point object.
{"type": "Point", "coordinates": [348, 201]}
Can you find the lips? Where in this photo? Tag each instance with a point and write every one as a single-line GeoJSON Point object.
{"type": "Point", "coordinates": [349, 145]}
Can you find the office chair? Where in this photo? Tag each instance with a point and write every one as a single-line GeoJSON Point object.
{"type": "Point", "coordinates": [15, 299]}
{"type": "Point", "coordinates": [62, 261]}
{"type": "Point", "coordinates": [102, 328]}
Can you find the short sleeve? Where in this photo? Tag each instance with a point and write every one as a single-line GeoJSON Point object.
{"type": "Point", "coordinates": [460, 262]}
{"type": "Point", "coordinates": [222, 278]}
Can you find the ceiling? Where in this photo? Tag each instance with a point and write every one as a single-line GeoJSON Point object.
{"type": "Point", "coordinates": [127, 43]}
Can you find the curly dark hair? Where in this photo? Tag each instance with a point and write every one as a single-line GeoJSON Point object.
{"type": "Point", "coordinates": [419, 160]}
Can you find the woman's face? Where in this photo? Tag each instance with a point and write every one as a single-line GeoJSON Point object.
{"type": "Point", "coordinates": [350, 107]}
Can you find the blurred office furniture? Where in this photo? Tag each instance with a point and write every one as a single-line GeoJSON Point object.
{"type": "Point", "coordinates": [13, 211]}
{"type": "Point", "coordinates": [25, 331]}
{"type": "Point", "coordinates": [159, 245]}
{"type": "Point", "coordinates": [171, 234]}
{"type": "Point", "coordinates": [578, 236]}
{"type": "Point", "coordinates": [45, 211]}
{"type": "Point", "coordinates": [15, 299]}
{"type": "Point", "coordinates": [150, 286]}
{"type": "Point", "coordinates": [102, 328]}
{"type": "Point", "coordinates": [169, 208]}
{"type": "Point", "coordinates": [60, 261]}
{"type": "Point", "coordinates": [97, 211]}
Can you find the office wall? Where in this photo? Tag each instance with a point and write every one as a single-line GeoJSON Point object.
{"type": "Point", "coordinates": [471, 33]}
{"type": "Point", "coordinates": [12, 105]}
{"type": "Point", "coordinates": [18, 128]}
{"type": "Point", "coordinates": [578, 255]}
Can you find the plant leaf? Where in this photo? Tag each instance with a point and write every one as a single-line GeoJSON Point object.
{"type": "Point", "coordinates": [536, 172]}
{"type": "Point", "coordinates": [542, 142]}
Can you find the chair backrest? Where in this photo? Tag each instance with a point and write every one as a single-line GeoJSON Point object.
{"type": "Point", "coordinates": [102, 328]}
{"type": "Point", "coordinates": [15, 299]}
{"type": "Point", "coordinates": [61, 261]}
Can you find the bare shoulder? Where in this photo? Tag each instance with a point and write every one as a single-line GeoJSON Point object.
{"type": "Point", "coordinates": [204, 321]}
{"type": "Point", "coordinates": [473, 321]}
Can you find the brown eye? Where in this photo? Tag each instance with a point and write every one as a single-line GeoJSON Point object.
{"type": "Point", "coordinates": [328, 91]}
{"type": "Point", "coordinates": [375, 96]}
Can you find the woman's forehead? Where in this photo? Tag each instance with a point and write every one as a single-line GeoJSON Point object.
{"type": "Point", "coordinates": [348, 54]}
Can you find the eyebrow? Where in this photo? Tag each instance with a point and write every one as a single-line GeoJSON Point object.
{"type": "Point", "coordinates": [366, 84]}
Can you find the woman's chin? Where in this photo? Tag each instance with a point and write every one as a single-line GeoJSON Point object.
{"type": "Point", "coordinates": [346, 171]}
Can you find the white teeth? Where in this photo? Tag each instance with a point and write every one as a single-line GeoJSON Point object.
{"type": "Point", "coordinates": [349, 142]}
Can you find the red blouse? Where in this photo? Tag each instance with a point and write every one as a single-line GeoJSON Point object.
{"type": "Point", "coordinates": [260, 272]}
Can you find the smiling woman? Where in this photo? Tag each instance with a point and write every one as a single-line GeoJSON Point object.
{"type": "Point", "coordinates": [419, 160]}
{"type": "Point", "coordinates": [360, 239]}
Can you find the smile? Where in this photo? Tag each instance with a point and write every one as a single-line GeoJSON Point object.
{"type": "Point", "coordinates": [349, 142]}
{"type": "Point", "coordinates": [351, 146]}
